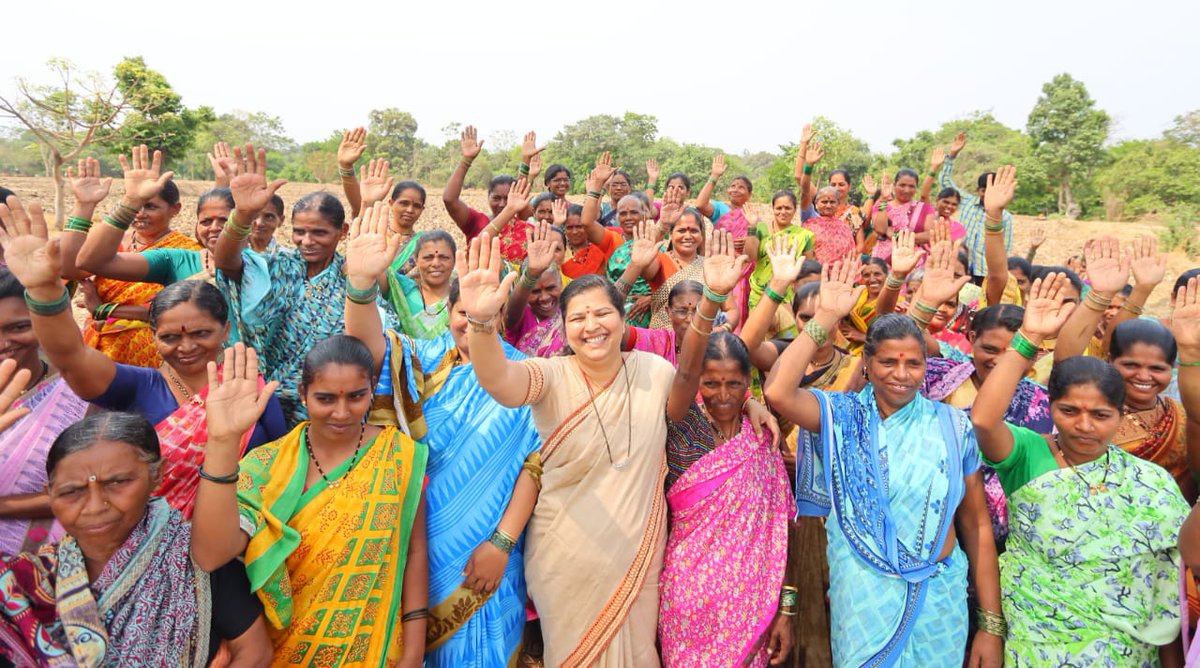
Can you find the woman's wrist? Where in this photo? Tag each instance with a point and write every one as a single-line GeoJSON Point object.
{"type": "Point", "coordinates": [779, 285]}
{"type": "Point", "coordinates": [132, 202]}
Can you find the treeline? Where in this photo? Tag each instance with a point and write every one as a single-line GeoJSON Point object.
{"type": "Point", "coordinates": [1065, 163]}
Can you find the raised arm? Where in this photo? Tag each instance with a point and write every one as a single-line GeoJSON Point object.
{"type": "Point", "coordinates": [349, 151]}
{"type": "Point", "coordinates": [233, 406]}
{"type": "Point", "coordinates": [1045, 314]}
{"type": "Point", "coordinates": [470, 145]}
{"type": "Point", "coordinates": [251, 194]}
{"type": "Point", "coordinates": [804, 165]}
{"type": "Point", "coordinates": [785, 267]}
{"type": "Point", "coordinates": [1185, 325]}
{"type": "Point", "coordinates": [595, 190]}
{"type": "Point", "coordinates": [905, 257]}
{"type": "Point", "coordinates": [1109, 271]}
{"type": "Point", "coordinates": [518, 201]}
{"type": "Point", "coordinates": [1037, 237]}
{"type": "Point", "coordinates": [540, 255]}
{"type": "Point", "coordinates": [531, 164]}
{"type": "Point", "coordinates": [643, 258]}
{"type": "Point", "coordinates": [946, 179]}
{"type": "Point", "coordinates": [220, 176]}
{"type": "Point", "coordinates": [652, 174]}
{"type": "Point", "coordinates": [782, 389]}
{"type": "Point", "coordinates": [704, 199]}
{"type": "Point", "coordinates": [369, 252]}
{"type": "Point", "coordinates": [870, 194]}
{"type": "Point", "coordinates": [1148, 268]}
{"type": "Point", "coordinates": [935, 165]}
{"type": "Point", "coordinates": [36, 262]}
{"type": "Point", "coordinates": [99, 253]}
{"type": "Point", "coordinates": [483, 295]}
{"type": "Point", "coordinates": [722, 270]}
{"type": "Point", "coordinates": [1001, 187]}
{"type": "Point", "coordinates": [89, 190]}
{"type": "Point", "coordinates": [880, 221]}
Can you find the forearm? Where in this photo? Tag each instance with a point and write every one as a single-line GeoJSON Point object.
{"type": "Point", "coordinates": [879, 222]}
{"type": "Point", "coordinates": [889, 294]}
{"type": "Point", "coordinates": [217, 535]}
{"type": "Point", "coordinates": [946, 176]}
{"type": "Point", "coordinates": [518, 299]}
{"type": "Point", "coordinates": [363, 323]}
{"type": "Point", "coordinates": [992, 402]}
{"type": "Point", "coordinates": [784, 379]}
{"type": "Point", "coordinates": [505, 380]}
{"type": "Point", "coordinates": [452, 195]}
{"type": "Point", "coordinates": [927, 188]}
{"type": "Point", "coordinates": [997, 266]}
{"type": "Point", "coordinates": [980, 547]}
{"type": "Point", "coordinates": [131, 312]}
{"type": "Point", "coordinates": [415, 592]}
{"type": "Point", "coordinates": [227, 256]}
{"type": "Point", "coordinates": [1080, 327]}
{"type": "Point", "coordinates": [762, 316]}
{"type": "Point", "coordinates": [691, 360]}
{"type": "Point", "coordinates": [704, 199]}
{"type": "Point", "coordinates": [95, 249]}
{"type": "Point", "coordinates": [33, 506]}
{"type": "Point", "coordinates": [591, 218]}
{"type": "Point", "coordinates": [520, 506]}
{"type": "Point", "coordinates": [1030, 253]}
{"type": "Point", "coordinates": [1189, 395]}
{"type": "Point", "coordinates": [351, 190]}
{"type": "Point", "coordinates": [1189, 539]}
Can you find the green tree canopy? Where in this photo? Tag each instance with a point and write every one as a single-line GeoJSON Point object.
{"type": "Point", "coordinates": [156, 114]}
{"type": "Point", "coordinates": [1068, 135]}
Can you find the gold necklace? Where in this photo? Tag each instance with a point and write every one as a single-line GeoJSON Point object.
{"type": "Point", "coordinates": [1093, 488]}
{"type": "Point", "coordinates": [188, 396]}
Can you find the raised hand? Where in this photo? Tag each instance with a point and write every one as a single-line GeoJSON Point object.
{"type": "Point", "coordinates": [483, 293]}
{"type": "Point", "coordinates": [723, 267]}
{"type": "Point", "coordinates": [251, 192]}
{"type": "Point", "coordinates": [652, 171]}
{"type": "Point", "coordinates": [785, 261]}
{"type": "Point", "coordinates": [354, 142]}
{"type": "Point", "coordinates": [518, 196]}
{"type": "Point", "coordinates": [86, 184]}
{"type": "Point", "coordinates": [718, 166]}
{"type": "Point", "coordinates": [838, 293]}
{"type": "Point", "coordinates": [470, 143]}
{"type": "Point", "coordinates": [814, 153]}
{"type": "Point", "coordinates": [535, 167]}
{"type": "Point", "coordinates": [559, 209]}
{"type": "Point", "coordinates": [937, 159]}
{"type": "Point", "coordinates": [540, 249]}
{"type": "Point", "coordinates": [1185, 320]}
{"type": "Point", "coordinates": [806, 134]}
{"type": "Point", "coordinates": [601, 174]}
{"type": "Point", "coordinates": [1037, 237]}
{"type": "Point", "coordinates": [235, 401]}
{"type": "Point", "coordinates": [13, 382]}
{"type": "Point", "coordinates": [220, 176]}
{"type": "Point", "coordinates": [1148, 266]}
{"type": "Point", "coordinates": [645, 245]}
{"type": "Point", "coordinates": [143, 177]}
{"type": "Point", "coordinates": [529, 147]}
{"type": "Point", "coordinates": [1107, 267]}
{"type": "Point", "coordinates": [672, 208]}
{"type": "Point", "coordinates": [939, 284]}
{"type": "Point", "coordinates": [885, 188]}
{"type": "Point", "coordinates": [30, 253]}
{"type": "Point", "coordinates": [960, 140]}
{"type": "Point", "coordinates": [1001, 187]}
{"type": "Point", "coordinates": [371, 249]}
{"type": "Point", "coordinates": [905, 254]}
{"type": "Point", "coordinates": [374, 183]}
{"type": "Point", "coordinates": [1045, 311]}
{"type": "Point", "coordinates": [870, 189]}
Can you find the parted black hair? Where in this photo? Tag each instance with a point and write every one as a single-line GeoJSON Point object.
{"type": "Point", "coordinates": [727, 346]}
{"type": "Point", "coordinates": [891, 327]}
{"type": "Point", "coordinates": [1140, 330]}
{"type": "Point", "coordinates": [341, 349]}
{"type": "Point", "coordinates": [1084, 370]}
{"type": "Point", "coordinates": [325, 205]}
{"type": "Point", "coordinates": [200, 293]}
{"type": "Point", "coordinates": [128, 428]}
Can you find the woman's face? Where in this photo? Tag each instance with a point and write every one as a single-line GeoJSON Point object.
{"type": "Point", "coordinates": [315, 237]}
{"type": "Point", "coordinates": [827, 204]}
{"type": "Point", "coordinates": [435, 262]}
{"type": "Point", "coordinates": [1022, 281]}
{"type": "Point", "coordinates": [906, 188]}
{"type": "Point", "coordinates": [676, 185]}
{"type": "Point", "coordinates": [17, 340]}
{"type": "Point", "coordinates": [265, 224]}
{"type": "Point", "coordinates": [986, 349]}
{"type": "Point", "coordinates": [1085, 420]}
{"type": "Point", "coordinates": [406, 210]}
{"type": "Point", "coordinates": [873, 277]}
{"type": "Point", "coordinates": [498, 198]}
{"type": "Point", "coordinates": [560, 184]}
{"type": "Point", "coordinates": [576, 232]}
{"type": "Point", "coordinates": [785, 211]}
{"type": "Point", "coordinates": [210, 220]}
{"type": "Point", "coordinates": [154, 218]}
{"type": "Point", "coordinates": [896, 371]}
{"type": "Point", "coordinates": [545, 210]}
{"type": "Point", "coordinates": [947, 207]}
{"type": "Point", "coordinates": [543, 299]}
{"type": "Point", "coordinates": [629, 214]}
{"type": "Point", "coordinates": [618, 187]}
{"type": "Point", "coordinates": [189, 337]}
{"type": "Point", "coordinates": [723, 388]}
{"type": "Point", "coordinates": [458, 326]}
{"type": "Point", "coordinates": [1146, 372]}
{"type": "Point", "coordinates": [738, 193]}
{"type": "Point", "coordinates": [593, 326]}
{"type": "Point", "coordinates": [681, 310]}
{"type": "Point", "coordinates": [945, 313]}
{"type": "Point", "coordinates": [99, 494]}
{"type": "Point", "coordinates": [338, 400]}
{"type": "Point", "coordinates": [686, 236]}
{"type": "Point", "coordinates": [843, 186]}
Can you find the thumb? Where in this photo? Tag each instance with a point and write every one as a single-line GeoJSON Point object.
{"type": "Point", "coordinates": [480, 144]}
{"type": "Point", "coordinates": [54, 252]}
{"type": "Point", "coordinates": [163, 178]}
{"type": "Point", "coordinates": [276, 185]}
{"type": "Point", "coordinates": [958, 284]}
{"type": "Point", "coordinates": [506, 284]}
{"type": "Point", "coordinates": [108, 183]}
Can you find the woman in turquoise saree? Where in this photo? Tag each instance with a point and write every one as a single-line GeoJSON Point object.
{"type": "Point", "coordinates": [898, 477]}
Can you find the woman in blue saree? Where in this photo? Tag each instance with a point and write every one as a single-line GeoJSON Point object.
{"type": "Point", "coordinates": [483, 472]}
{"type": "Point", "coordinates": [898, 476]}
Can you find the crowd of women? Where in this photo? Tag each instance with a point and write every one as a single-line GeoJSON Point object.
{"type": "Point", "coordinates": [651, 429]}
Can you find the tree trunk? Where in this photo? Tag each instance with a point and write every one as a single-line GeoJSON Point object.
{"type": "Point", "coordinates": [55, 171]}
{"type": "Point", "coordinates": [1069, 207]}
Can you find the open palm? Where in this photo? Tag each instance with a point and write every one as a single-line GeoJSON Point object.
{"type": "Point", "coordinates": [540, 249]}
{"type": "Point", "coordinates": [1107, 267]}
{"type": "Point", "coordinates": [905, 254]}
{"type": "Point", "coordinates": [1185, 319]}
{"type": "Point", "coordinates": [723, 268]}
{"type": "Point", "coordinates": [143, 174]}
{"type": "Point", "coordinates": [86, 183]}
{"type": "Point", "coordinates": [251, 191]}
{"type": "Point", "coordinates": [838, 293]}
{"type": "Point", "coordinates": [374, 185]}
{"type": "Point", "coordinates": [1046, 312]}
{"type": "Point", "coordinates": [31, 256]}
{"type": "Point", "coordinates": [371, 249]}
{"type": "Point", "coordinates": [235, 402]}
{"type": "Point", "coordinates": [785, 262]}
{"type": "Point", "coordinates": [483, 292]}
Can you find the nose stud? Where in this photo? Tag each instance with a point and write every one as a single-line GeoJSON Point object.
{"type": "Point", "coordinates": [91, 478]}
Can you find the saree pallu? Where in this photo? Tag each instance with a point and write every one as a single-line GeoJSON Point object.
{"type": "Point", "coordinates": [328, 562]}
{"type": "Point", "coordinates": [408, 305]}
{"type": "Point", "coordinates": [726, 554]}
{"type": "Point", "coordinates": [890, 489]}
{"type": "Point", "coordinates": [1093, 579]}
{"type": "Point", "coordinates": [834, 239]}
{"type": "Point", "coordinates": [595, 541]}
{"type": "Point", "coordinates": [540, 338]}
{"type": "Point", "coordinates": [617, 263]}
{"type": "Point", "coordinates": [761, 271]}
{"type": "Point", "coordinates": [150, 606]}
{"type": "Point", "coordinates": [130, 341]}
{"type": "Point", "coordinates": [659, 298]}
{"type": "Point", "coordinates": [477, 449]}
{"type": "Point", "coordinates": [910, 217]}
{"type": "Point", "coordinates": [1162, 441]}
{"type": "Point", "coordinates": [661, 342]}
{"type": "Point", "coordinates": [860, 318]}
{"type": "Point", "coordinates": [23, 447]}
{"type": "Point", "coordinates": [738, 226]}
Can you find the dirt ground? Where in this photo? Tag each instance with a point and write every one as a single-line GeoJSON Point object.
{"type": "Point", "coordinates": [1063, 238]}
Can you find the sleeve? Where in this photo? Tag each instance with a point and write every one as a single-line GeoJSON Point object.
{"type": "Point", "coordinates": [543, 371]}
{"type": "Point", "coordinates": [170, 265]}
{"type": "Point", "coordinates": [122, 394]}
{"type": "Point", "coordinates": [720, 209]}
{"type": "Point", "coordinates": [946, 177]}
{"type": "Point", "coordinates": [611, 242]}
{"type": "Point", "coordinates": [476, 222]}
{"type": "Point", "coordinates": [513, 335]}
{"type": "Point", "coordinates": [234, 607]}
{"type": "Point", "coordinates": [972, 458]}
{"type": "Point", "coordinates": [271, 425]}
{"type": "Point", "coordinates": [1024, 462]}
{"type": "Point", "coordinates": [810, 242]}
{"type": "Point", "coordinates": [808, 214]}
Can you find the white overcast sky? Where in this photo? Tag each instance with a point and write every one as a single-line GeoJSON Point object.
{"type": "Point", "coordinates": [741, 75]}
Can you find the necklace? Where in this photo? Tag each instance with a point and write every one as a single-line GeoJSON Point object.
{"type": "Point", "coordinates": [178, 383]}
{"type": "Point", "coordinates": [39, 379]}
{"type": "Point", "coordinates": [621, 465]}
{"type": "Point", "coordinates": [1093, 488]}
{"type": "Point", "coordinates": [717, 430]}
{"type": "Point", "coordinates": [353, 460]}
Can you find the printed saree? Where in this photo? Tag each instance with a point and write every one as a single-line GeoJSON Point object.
{"type": "Point", "coordinates": [130, 341]}
{"type": "Point", "coordinates": [659, 317]}
{"type": "Point", "coordinates": [537, 338]}
{"type": "Point", "coordinates": [406, 303]}
{"type": "Point", "coordinates": [860, 318]}
{"type": "Point", "coordinates": [890, 489]}
{"type": "Point", "coordinates": [761, 272]}
{"type": "Point", "coordinates": [911, 217]}
{"type": "Point", "coordinates": [834, 239]}
{"type": "Point", "coordinates": [1093, 579]}
{"type": "Point", "coordinates": [735, 222]}
{"type": "Point", "coordinates": [617, 263]}
{"type": "Point", "coordinates": [328, 562]}
{"type": "Point", "coordinates": [150, 606]}
{"type": "Point", "coordinates": [1162, 441]}
{"type": "Point", "coordinates": [726, 551]}
{"type": "Point", "coordinates": [23, 447]}
{"type": "Point", "coordinates": [477, 448]}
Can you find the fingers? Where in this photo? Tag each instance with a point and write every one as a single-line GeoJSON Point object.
{"type": "Point", "coordinates": [13, 381]}
{"type": "Point", "coordinates": [37, 221]}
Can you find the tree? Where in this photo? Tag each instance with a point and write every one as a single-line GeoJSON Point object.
{"type": "Point", "coordinates": [1147, 176]}
{"type": "Point", "coordinates": [392, 134]}
{"type": "Point", "coordinates": [156, 114]}
{"type": "Point", "coordinates": [1068, 135]}
{"type": "Point", "coordinates": [842, 151]}
{"type": "Point", "coordinates": [1186, 129]}
{"type": "Point", "coordinates": [237, 128]}
{"type": "Point", "coordinates": [629, 138]}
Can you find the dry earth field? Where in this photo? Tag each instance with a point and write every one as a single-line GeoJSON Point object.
{"type": "Point", "coordinates": [1063, 238]}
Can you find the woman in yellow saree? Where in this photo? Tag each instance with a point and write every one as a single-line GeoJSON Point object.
{"type": "Point", "coordinates": [330, 518]}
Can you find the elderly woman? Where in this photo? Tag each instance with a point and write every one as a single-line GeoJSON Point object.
{"type": "Point", "coordinates": [834, 237]}
{"type": "Point", "coordinates": [121, 588]}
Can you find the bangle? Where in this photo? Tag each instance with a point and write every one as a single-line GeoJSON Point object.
{"type": "Point", "coordinates": [933, 173]}
{"type": "Point", "coordinates": [503, 541]}
{"type": "Point", "coordinates": [230, 479]}
{"type": "Point", "coordinates": [808, 169]}
{"type": "Point", "coordinates": [705, 318]}
{"type": "Point", "coordinates": [77, 224]}
{"type": "Point", "coordinates": [774, 296]}
{"type": "Point", "coordinates": [924, 308]}
{"type": "Point", "coordinates": [991, 622]}
{"type": "Point", "coordinates": [893, 282]}
{"type": "Point", "coordinates": [116, 223]}
{"type": "Point", "coordinates": [529, 281]}
{"type": "Point", "coordinates": [1190, 365]}
{"type": "Point", "coordinates": [712, 180]}
{"type": "Point", "coordinates": [419, 613]}
{"type": "Point", "coordinates": [714, 297]}
{"type": "Point", "coordinates": [466, 162]}
{"type": "Point", "coordinates": [867, 196]}
{"type": "Point", "coordinates": [995, 221]}
{"type": "Point", "coordinates": [345, 172]}
{"type": "Point", "coordinates": [921, 322]}
{"type": "Point", "coordinates": [104, 311]}
{"type": "Point", "coordinates": [362, 295]}
{"type": "Point", "coordinates": [623, 285]}
{"type": "Point", "coordinates": [482, 326]}
{"type": "Point", "coordinates": [1132, 308]}
{"type": "Point", "coordinates": [595, 193]}
{"type": "Point", "coordinates": [1024, 347]}
{"type": "Point", "coordinates": [49, 308]}
{"type": "Point", "coordinates": [789, 601]}
{"type": "Point", "coordinates": [234, 230]}
{"type": "Point", "coordinates": [882, 207]}
{"type": "Point", "coordinates": [1096, 303]}
{"type": "Point", "coordinates": [694, 328]}
{"type": "Point", "coordinates": [523, 169]}
{"type": "Point", "coordinates": [817, 333]}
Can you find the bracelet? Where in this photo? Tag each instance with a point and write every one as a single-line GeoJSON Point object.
{"type": "Point", "coordinates": [996, 221]}
{"type": "Point", "coordinates": [991, 622]}
{"type": "Point", "coordinates": [482, 326]}
{"type": "Point", "coordinates": [503, 541]}
{"type": "Point", "coordinates": [650, 187]}
{"type": "Point", "coordinates": [808, 169]}
{"type": "Point", "coordinates": [77, 224]}
{"type": "Point", "coordinates": [774, 296]}
{"type": "Point", "coordinates": [712, 180]}
{"type": "Point", "coordinates": [921, 322]}
{"type": "Point", "coordinates": [230, 479]}
{"type": "Point", "coordinates": [707, 319]}
{"type": "Point", "coordinates": [595, 193]}
{"type": "Point", "coordinates": [893, 282]}
{"type": "Point", "coordinates": [466, 163]}
{"type": "Point", "coordinates": [933, 173]}
{"type": "Point", "coordinates": [234, 230]}
{"type": "Point", "coordinates": [116, 223]}
{"type": "Point", "coordinates": [1024, 347]}
{"type": "Point", "coordinates": [49, 308]}
{"type": "Point", "coordinates": [529, 281]}
{"type": "Point", "coordinates": [104, 311]}
{"type": "Point", "coordinates": [924, 308]}
{"type": "Point", "coordinates": [362, 295]}
{"type": "Point", "coordinates": [1190, 365]}
{"type": "Point", "coordinates": [523, 169]}
{"type": "Point", "coordinates": [882, 206]}
{"type": "Point", "coordinates": [867, 196]}
{"type": "Point", "coordinates": [624, 286]}
{"type": "Point", "coordinates": [694, 328]}
{"type": "Point", "coordinates": [817, 333]}
{"type": "Point", "coordinates": [419, 613]}
{"type": "Point", "coordinates": [345, 172]}
{"type": "Point", "coordinates": [1132, 308]}
{"type": "Point", "coordinates": [1096, 303]}
{"type": "Point", "coordinates": [714, 297]}
{"type": "Point", "coordinates": [789, 601]}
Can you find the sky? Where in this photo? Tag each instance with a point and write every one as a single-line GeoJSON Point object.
{"type": "Point", "coordinates": [742, 76]}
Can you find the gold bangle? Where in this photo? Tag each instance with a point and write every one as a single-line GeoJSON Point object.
{"type": "Point", "coordinates": [1132, 308]}
{"type": "Point", "coordinates": [992, 623]}
{"type": "Point", "coordinates": [692, 325]}
{"type": "Point", "coordinates": [816, 332]}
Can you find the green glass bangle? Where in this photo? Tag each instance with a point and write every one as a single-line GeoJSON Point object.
{"type": "Point", "coordinates": [529, 281]}
{"type": "Point", "coordinates": [503, 541]}
{"type": "Point", "coordinates": [774, 296]}
{"type": "Point", "coordinates": [595, 193]}
{"type": "Point", "coordinates": [362, 295]}
{"type": "Point", "coordinates": [77, 224]}
{"type": "Point", "coordinates": [1189, 364]}
{"type": "Point", "coordinates": [893, 282]}
{"type": "Point", "coordinates": [109, 220]}
{"type": "Point", "coordinates": [932, 174]}
{"type": "Point", "coordinates": [808, 169]}
{"type": "Point", "coordinates": [49, 308]}
{"type": "Point", "coordinates": [1024, 347]}
{"type": "Point", "coordinates": [706, 318]}
{"type": "Point", "coordinates": [523, 169]}
{"type": "Point", "coordinates": [714, 297]}
{"type": "Point", "coordinates": [924, 308]}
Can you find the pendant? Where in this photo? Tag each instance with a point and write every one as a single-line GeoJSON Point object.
{"type": "Point", "coordinates": [1097, 489]}
{"type": "Point", "coordinates": [334, 484]}
{"type": "Point", "coordinates": [622, 465]}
